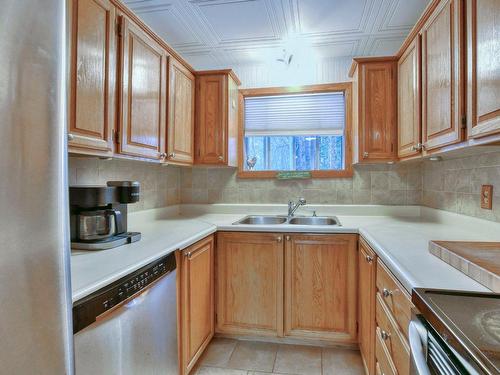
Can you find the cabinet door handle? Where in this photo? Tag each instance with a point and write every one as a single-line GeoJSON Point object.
{"type": "Point", "coordinates": [287, 238]}
{"type": "Point", "coordinates": [386, 292]}
{"type": "Point", "coordinates": [188, 254]}
{"type": "Point", "coordinates": [221, 157]}
{"type": "Point", "coordinates": [71, 137]}
{"type": "Point", "coordinates": [163, 155]}
{"type": "Point", "coordinates": [385, 335]}
{"type": "Point", "coordinates": [369, 258]}
{"type": "Point", "coordinates": [171, 155]}
{"type": "Point", "coordinates": [365, 154]}
{"type": "Point", "coordinates": [417, 147]}
{"type": "Point", "coordinates": [279, 239]}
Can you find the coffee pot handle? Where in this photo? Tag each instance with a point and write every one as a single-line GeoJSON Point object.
{"type": "Point", "coordinates": [118, 221]}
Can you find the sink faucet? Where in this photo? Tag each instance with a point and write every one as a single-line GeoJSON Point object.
{"type": "Point", "coordinates": [292, 206]}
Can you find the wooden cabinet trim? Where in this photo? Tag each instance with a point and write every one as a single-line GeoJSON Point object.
{"type": "Point", "coordinates": [82, 137]}
{"type": "Point", "coordinates": [190, 355]}
{"type": "Point", "coordinates": [272, 311]}
{"type": "Point", "coordinates": [127, 145]}
{"type": "Point", "coordinates": [453, 132]}
{"type": "Point", "coordinates": [366, 305]}
{"type": "Point", "coordinates": [394, 341]}
{"type": "Point", "coordinates": [412, 56]}
{"type": "Point", "coordinates": [326, 326]}
{"type": "Point", "coordinates": [398, 301]}
{"type": "Point", "coordinates": [485, 123]}
{"type": "Point", "coordinates": [182, 132]}
{"type": "Point", "coordinates": [386, 94]}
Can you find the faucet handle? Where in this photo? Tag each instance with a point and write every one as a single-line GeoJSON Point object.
{"type": "Point", "coordinates": [302, 200]}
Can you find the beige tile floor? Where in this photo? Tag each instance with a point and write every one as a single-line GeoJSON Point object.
{"type": "Point", "coordinates": [235, 357]}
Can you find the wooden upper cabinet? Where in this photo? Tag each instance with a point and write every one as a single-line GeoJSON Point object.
{"type": "Point", "coordinates": [180, 137]}
{"type": "Point", "coordinates": [409, 127]}
{"type": "Point", "coordinates": [143, 93]}
{"type": "Point", "coordinates": [375, 106]}
{"type": "Point", "coordinates": [367, 289]}
{"type": "Point", "coordinates": [197, 301]}
{"type": "Point", "coordinates": [216, 125]}
{"type": "Point", "coordinates": [320, 287]}
{"type": "Point", "coordinates": [249, 283]}
{"type": "Point", "coordinates": [441, 76]}
{"type": "Point", "coordinates": [483, 64]}
{"type": "Point", "coordinates": [92, 67]}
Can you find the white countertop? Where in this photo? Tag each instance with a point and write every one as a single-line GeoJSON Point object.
{"type": "Point", "coordinates": [400, 236]}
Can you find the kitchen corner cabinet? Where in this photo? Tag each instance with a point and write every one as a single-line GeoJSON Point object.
{"type": "Point", "coordinates": [409, 127]}
{"type": "Point", "coordinates": [483, 67]}
{"type": "Point", "coordinates": [320, 287]}
{"type": "Point", "coordinates": [216, 125]}
{"type": "Point", "coordinates": [367, 289]}
{"type": "Point", "coordinates": [143, 103]}
{"type": "Point", "coordinates": [92, 77]}
{"type": "Point", "coordinates": [249, 283]}
{"type": "Point", "coordinates": [375, 106]}
{"type": "Point", "coordinates": [180, 137]}
{"type": "Point", "coordinates": [196, 301]}
{"type": "Point", "coordinates": [441, 76]}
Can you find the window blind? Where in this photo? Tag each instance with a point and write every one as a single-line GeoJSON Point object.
{"type": "Point", "coordinates": [295, 114]}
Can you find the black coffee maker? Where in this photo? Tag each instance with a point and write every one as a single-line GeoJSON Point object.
{"type": "Point", "coordinates": [98, 215]}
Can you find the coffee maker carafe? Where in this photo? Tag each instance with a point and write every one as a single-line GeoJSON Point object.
{"type": "Point", "coordinates": [99, 215]}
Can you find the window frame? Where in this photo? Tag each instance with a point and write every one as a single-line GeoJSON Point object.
{"type": "Point", "coordinates": [345, 87]}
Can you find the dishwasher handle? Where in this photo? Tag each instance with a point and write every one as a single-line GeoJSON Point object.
{"type": "Point", "coordinates": [417, 338]}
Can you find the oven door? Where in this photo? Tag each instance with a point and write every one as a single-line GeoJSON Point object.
{"type": "Point", "coordinates": [418, 336]}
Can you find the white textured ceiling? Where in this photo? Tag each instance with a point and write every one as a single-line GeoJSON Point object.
{"type": "Point", "coordinates": [213, 34]}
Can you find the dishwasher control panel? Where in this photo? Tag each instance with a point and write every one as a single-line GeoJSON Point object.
{"type": "Point", "coordinates": [88, 309]}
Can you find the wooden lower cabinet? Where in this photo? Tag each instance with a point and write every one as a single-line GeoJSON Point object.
{"type": "Point", "coordinates": [249, 283]}
{"type": "Point", "coordinates": [196, 301]}
{"type": "Point", "coordinates": [299, 286]}
{"type": "Point", "coordinates": [320, 287]}
{"type": "Point", "coordinates": [367, 289]}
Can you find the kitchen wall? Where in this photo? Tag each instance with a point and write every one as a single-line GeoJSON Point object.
{"type": "Point", "coordinates": [159, 184]}
{"type": "Point", "coordinates": [328, 70]}
{"type": "Point", "coordinates": [455, 184]}
{"type": "Point", "coordinates": [376, 184]}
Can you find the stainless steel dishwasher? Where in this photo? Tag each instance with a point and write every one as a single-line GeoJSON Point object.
{"type": "Point", "coordinates": [130, 326]}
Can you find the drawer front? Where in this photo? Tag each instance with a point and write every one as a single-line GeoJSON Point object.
{"type": "Point", "coordinates": [392, 338]}
{"type": "Point", "coordinates": [394, 296]}
{"type": "Point", "coordinates": [382, 356]}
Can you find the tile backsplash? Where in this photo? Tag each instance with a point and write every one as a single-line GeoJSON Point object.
{"type": "Point", "coordinates": [455, 184]}
{"type": "Point", "coordinates": [371, 184]}
{"type": "Point", "coordinates": [451, 184]}
{"type": "Point", "coordinates": [159, 184]}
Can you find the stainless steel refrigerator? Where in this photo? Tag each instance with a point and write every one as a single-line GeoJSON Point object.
{"type": "Point", "coordinates": [35, 305]}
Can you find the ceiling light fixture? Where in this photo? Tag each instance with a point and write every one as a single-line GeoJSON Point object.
{"type": "Point", "coordinates": [286, 59]}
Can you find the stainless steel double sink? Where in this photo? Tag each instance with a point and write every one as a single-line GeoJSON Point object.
{"type": "Point", "coordinates": [294, 220]}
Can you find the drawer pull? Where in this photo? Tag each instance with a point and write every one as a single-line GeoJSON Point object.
{"type": "Point", "coordinates": [386, 292]}
{"type": "Point", "coordinates": [279, 239]}
{"type": "Point", "coordinates": [385, 335]}
{"type": "Point", "coordinates": [369, 258]}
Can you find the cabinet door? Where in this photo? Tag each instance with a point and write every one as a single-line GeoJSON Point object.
{"type": "Point", "coordinates": [378, 111]}
{"type": "Point", "coordinates": [367, 290]}
{"type": "Point", "coordinates": [143, 102]}
{"type": "Point", "coordinates": [197, 300]}
{"type": "Point", "coordinates": [320, 287]}
{"type": "Point", "coordinates": [483, 51]}
{"type": "Point", "coordinates": [409, 129]}
{"type": "Point", "coordinates": [441, 99]}
{"type": "Point", "coordinates": [180, 138]}
{"type": "Point", "coordinates": [211, 119]}
{"type": "Point", "coordinates": [249, 283]}
{"type": "Point", "coordinates": [92, 75]}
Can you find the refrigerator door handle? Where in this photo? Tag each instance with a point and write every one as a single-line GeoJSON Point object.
{"type": "Point", "coordinates": [418, 360]}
